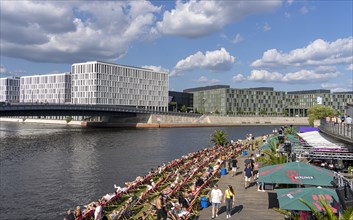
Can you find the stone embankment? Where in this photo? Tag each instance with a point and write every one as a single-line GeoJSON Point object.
{"type": "Point", "coordinates": [166, 121]}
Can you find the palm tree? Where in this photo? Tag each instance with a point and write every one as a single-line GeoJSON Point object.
{"type": "Point", "coordinates": [327, 214]}
{"type": "Point", "coordinates": [271, 156]}
{"type": "Point", "coordinates": [219, 137]}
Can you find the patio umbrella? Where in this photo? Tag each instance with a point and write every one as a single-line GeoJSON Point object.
{"type": "Point", "coordinates": [292, 138]}
{"type": "Point", "coordinates": [289, 198]}
{"type": "Point", "coordinates": [265, 147]}
{"type": "Point", "coordinates": [296, 173]}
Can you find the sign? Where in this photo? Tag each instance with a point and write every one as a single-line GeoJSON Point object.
{"type": "Point", "coordinates": [319, 100]}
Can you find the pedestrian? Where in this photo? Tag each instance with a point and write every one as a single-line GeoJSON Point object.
{"type": "Point", "coordinates": [349, 121]}
{"type": "Point", "coordinates": [260, 186]}
{"type": "Point", "coordinates": [98, 212]}
{"type": "Point", "coordinates": [70, 215]}
{"type": "Point", "coordinates": [234, 167]}
{"type": "Point", "coordinates": [247, 175]}
{"type": "Point", "coordinates": [229, 198]}
{"type": "Point", "coordinates": [216, 198]}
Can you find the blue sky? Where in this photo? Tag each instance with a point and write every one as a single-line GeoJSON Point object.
{"type": "Point", "coordinates": [289, 45]}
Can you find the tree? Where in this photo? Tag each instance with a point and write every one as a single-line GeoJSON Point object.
{"type": "Point", "coordinates": [263, 112]}
{"type": "Point", "coordinates": [319, 111]}
{"type": "Point", "coordinates": [327, 214]}
{"type": "Point", "coordinates": [68, 119]}
{"type": "Point", "coordinates": [216, 112]}
{"type": "Point", "coordinates": [219, 137]}
{"type": "Point", "coordinates": [183, 108]}
{"type": "Point", "coordinates": [240, 111]}
{"type": "Point", "coordinates": [174, 105]}
{"type": "Point", "coordinates": [285, 112]}
{"type": "Point", "coordinates": [271, 157]}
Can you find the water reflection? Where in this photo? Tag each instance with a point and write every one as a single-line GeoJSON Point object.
{"type": "Point", "coordinates": [46, 169]}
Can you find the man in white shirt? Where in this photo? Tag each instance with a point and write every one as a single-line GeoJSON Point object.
{"type": "Point", "coordinates": [98, 211]}
{"type": "Point", "coordinates": [216, 198]}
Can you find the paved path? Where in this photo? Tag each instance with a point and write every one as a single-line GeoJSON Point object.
{"type": "Point", "coordinates": [249, 203]}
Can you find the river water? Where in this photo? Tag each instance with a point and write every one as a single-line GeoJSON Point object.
{"type": "Point", "coordinates": [46, 169]}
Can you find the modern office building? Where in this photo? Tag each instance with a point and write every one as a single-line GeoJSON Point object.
{"type": "Point", "coordinates": [10, 90]}
{"type": "Point", "coordinates": [179, 99]}
{"type": "Point", "coordinates": [225, 100]}
{"type": "Point", "coordinates": [265, 101]}
{"type": "Point", "coordinates": [298, 102]}
{"type": "Point", "coordinates": [48, 88]}
{"type": "Point", "coordinates": [105, 83]}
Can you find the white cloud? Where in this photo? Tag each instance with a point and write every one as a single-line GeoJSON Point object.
{"type": "Point", "coordinates": [3, 70]}
{"type": "Point", "coordinates": [193, 18]}
{"type": "Point", "coordinates": [205, 80]}
{"type": "Point", "coordinates": [350, 67]}
{"type": "Point", "coordinates": [215, 61]}
{"type": "Point", "coordinates": [338, 87]}
{"type": "Point", "coordinates": [157, 68]}
{"type": "Point", "coordinates": [267, 27]}
{"type": "Point", "coordinates": [326, 69]}
{"type": "Point", "coordinates": [304, 10]}
{"type": "Point", "coordinates": [239, 78]}
{"type": "Point", "coordinates": [316, 53]}
{"type": "Point", "coordinates": [238, 38]}
{"type": "Point", "coordinates": [287, 15]}
{"type": "Point", "coordinates": [72, 31]}
{"type": "Point", "coordinates": [290, 2]}
{"type": "Point", "coordinates": [302, 76]}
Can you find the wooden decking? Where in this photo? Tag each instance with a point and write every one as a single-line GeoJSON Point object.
{"type": "Point", "coordinates": [249, 203]}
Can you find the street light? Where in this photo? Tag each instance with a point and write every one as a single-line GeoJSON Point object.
{"type": "Point", "coordinates": [203, 104]}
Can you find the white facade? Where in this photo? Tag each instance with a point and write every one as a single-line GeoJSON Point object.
{"type": "Point", "coordinates": [49, 88]}
{"type": "Point", "coordinates": [10, 90]}
{"type": "Point", "coordinates": [104, 83]}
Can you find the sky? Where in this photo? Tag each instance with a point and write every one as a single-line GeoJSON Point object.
{"type": "Point", "coordinates": [289, 45]}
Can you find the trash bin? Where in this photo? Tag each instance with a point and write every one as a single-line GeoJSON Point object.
{"type": "Point", "coordinates": [244, 152]}
{"type": "Point", "coordinates": [204, 201]}
{"type": "Point", "coordinates": [223, 171]}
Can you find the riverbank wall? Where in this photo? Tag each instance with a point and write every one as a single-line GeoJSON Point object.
{"type": "Point", "coordinates": [42, 121]}
{"type": "Point", "coordinates": [168, 121]}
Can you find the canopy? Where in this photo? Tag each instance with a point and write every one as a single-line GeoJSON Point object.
{"type": "Point", "coordinates": [314, 139]}
{"type": "Point", "coordinates": [292, 138]}
{"type": "Point", "coordinates": [289, 198]}
{"type": "Point", "coordinates": [296, 173]}
{"type": "Point", "coordinates": [307, 129]}
{"type": "Point", "coordinates": [265, 147]}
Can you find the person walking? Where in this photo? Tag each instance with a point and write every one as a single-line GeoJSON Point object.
{"type": "Point", "coordinates": [247, 175]}
{"type": "Point", "coordinates": [234, 167]}
{"type": "Point", "coordinates": [229, 198]}
{"type": "Point", "coordinates": [216, 198]}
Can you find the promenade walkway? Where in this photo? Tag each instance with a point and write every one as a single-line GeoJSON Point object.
{"type": "Point", "coordinates": [249, 203]}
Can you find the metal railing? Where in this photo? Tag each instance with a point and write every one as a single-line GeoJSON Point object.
{"type": "Point", "coordinates": [342, 130]}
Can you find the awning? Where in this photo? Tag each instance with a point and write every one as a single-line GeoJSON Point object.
{"type": "Point", "coordinates": [289, 198]}
{"type": "Point", "coordinates": [296, 173]}
{"type": "Point", "coordinates": [316, 140]}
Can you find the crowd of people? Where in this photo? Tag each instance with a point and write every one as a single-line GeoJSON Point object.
{"type": "Point", "coordinates": [169, 191]}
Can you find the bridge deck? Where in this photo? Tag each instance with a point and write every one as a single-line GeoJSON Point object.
{"type": "Point", "coordinates": [249, 203]}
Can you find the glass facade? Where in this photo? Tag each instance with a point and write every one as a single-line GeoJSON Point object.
{"type": "Point", "coordinates": [50, 88]}
{"type": "Point", "coordinates": [265, 101]}
{"type": "Point", "coordinates": [10, 90]}
{"type": "Point", "coordinates": [111, 84]}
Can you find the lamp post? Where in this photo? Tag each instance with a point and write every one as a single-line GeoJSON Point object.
{"type": "Point", "coordinates": [203, 104]}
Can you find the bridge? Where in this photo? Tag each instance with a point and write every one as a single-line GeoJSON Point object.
{"type": "Point", "coordinates": [46, 109]}
{"type": "Point", "coordinates": [341, 131]}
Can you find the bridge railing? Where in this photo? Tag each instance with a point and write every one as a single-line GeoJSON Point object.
{"type": "Point", "coordinates": [338, 129]}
